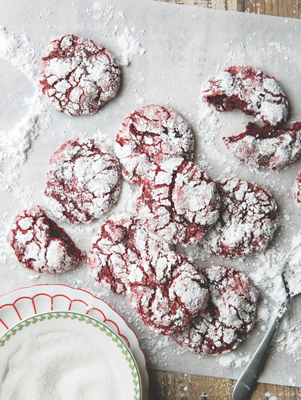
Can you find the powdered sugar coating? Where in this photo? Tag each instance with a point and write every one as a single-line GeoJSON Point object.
{"type": "Point", "coordinates": [250, 90]}
{"type": "Point", "coordinates": [148, 137]}
{"type": "Point", "coordinates": [41, 245]}
{"type": "Point", "coordinates": [297, 189]}
{"type": "Point", "coordinates": [178, 202]}
{"type": "Point", "coordinates": [230, 314]}
{"type": "Point", "coordinates": [78, 75]}
{"type": "Point", "coordinates": [122, 251]}
{"type": "Point", "coordinates": [83, 181]}
{"type": "Point", "coordinates": [165, 288]}
{"type": "Point", "coordinates": [266, 146]}
{"type": "Point", "coordinates": [247, 221]}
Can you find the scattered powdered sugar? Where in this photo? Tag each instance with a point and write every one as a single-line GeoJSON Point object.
{"type": "Point", "coordinates": [70, 366]}
{"type": "Point", "coordinates": [15, 142]}
{"type": "Point", "coordinates": [270, 396]}
{"type": "Point", "coordinates": [209, 126]}
{"type": "Point", "coordinates": [126, 36]}
{"type": "Point", "coordinates": [130, 46]}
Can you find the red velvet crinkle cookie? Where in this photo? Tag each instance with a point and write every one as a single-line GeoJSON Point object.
{"type": "Point", "coordinates": [41, 245]}
{"type": "Point", "coordinates": [266, 146]}
{"type": "Point", "coordinates": [148, 137]}
{"type": "Point", "coordinates": [230, 314]}
{"type": "Point", "coordinates": [297, 189]}
{"type": "Point", "coordinates": [119, 252]}
{"type": "Point", "coordinates": [249, 90]}
{"type": "Point", "coordinates": [178, 202]}
{"type": "Point", "coordinates": [165, 288]}
{"type": "Point", "coordinates": [168, 305]}
{"type": "Point", "coordinates": [78, 75]}
{"type": "Point", "coordinates": [247, 221]}
{"type": "Point", "coordinates": [83, 181]}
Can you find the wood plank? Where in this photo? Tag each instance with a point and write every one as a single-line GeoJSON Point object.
{"type": "Point", "coordinates": [281, 8]}
{"type": "Point", "coordinates": [175, 386]}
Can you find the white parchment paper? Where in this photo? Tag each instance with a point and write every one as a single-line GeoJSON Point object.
{"type": "Point", "coordinates": [167, 52]}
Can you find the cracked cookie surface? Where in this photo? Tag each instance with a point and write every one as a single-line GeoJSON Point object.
{"type": "Point", "coordinates": [248, 219]}
{"type": "Point", "coordinates": [148, 137]}
{"type": "Point", "coordinates": [78, 75]}
{"type": "Point", "coordinates": [230, 314]}
{"type": "Point", "coordinates": [83, 181]}
{"type": "Point", "coordinates": [178, 202]}
{"type": "Point", "coordinates": [249, 90]}
{"type": "Point", "coordinates": [41, 245]}
{"type": "Point", "coordinates": [266, 146]}
{"type": "Point", "coordinates": [164, 288]}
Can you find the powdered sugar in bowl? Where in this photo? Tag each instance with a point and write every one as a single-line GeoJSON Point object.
{"type": "Point", "coordinates": [66, 355]}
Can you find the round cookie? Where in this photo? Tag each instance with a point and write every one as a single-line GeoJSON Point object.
{"type": "Point", "coordinates": [41, 245]}
{"type": "Point", "coordinates": [78, 75]}
{"type": "Point", "coordinates": [178, 202]}
{"type": "Point", "coordinates": [247, 220]}
{"type": "Point", "coordinates": [266, 146]}
{"type": "Point", "coordinates": [167, 306]}
{"type": "Point", "coordinates": [123, 251]}
{"type": "Point", "coordinates": [148, 137]}
{"type": "Point", "coordinates": [164, 288]}
{"type": "Point", "coordinates": [230, 314]}
{"type": "Point", "coordinates": [83, 181]}
{"type": "Point", "coordinates": [249, 90]}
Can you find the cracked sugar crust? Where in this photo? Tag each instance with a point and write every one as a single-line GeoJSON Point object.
{"type": "Point", "coordinates": [41, 245]}
{"type": "Point", "coordinates": [297, 189]}
{"type": "Point", "coordinates": [83, 181]}
{"type": "Point", "coordinates": [78, 75]}
{"type": "Point", "coordinates": [119, 251]}
{"type": "Point", "coordinates": [249, 90]}
{"type": "Point", "coordinates": [164, 288]}
{"type": "Point", "coordinates": [148, 137]}
{"type": "Point", "coordinates": [178, 202]}
{"type": "Point", "coordinates": [247, 221]}
{"type": "Point", "coordinates": [266, 146]}
{"type": "Point", "coordinates": [230, 314]}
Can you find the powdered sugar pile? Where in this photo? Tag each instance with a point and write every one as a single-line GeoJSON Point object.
{"type": "Point", "coordinates": [126, 36]}
{"type": "Point", "coordinates": [15, 142]}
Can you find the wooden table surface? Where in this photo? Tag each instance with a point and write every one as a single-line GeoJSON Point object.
{"type": "Point", "coordinates": [176, 386]}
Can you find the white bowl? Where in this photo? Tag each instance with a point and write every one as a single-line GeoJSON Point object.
{"type": "Point", "coordinates": [105, 338]}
